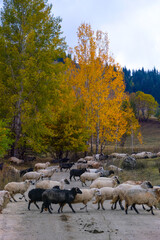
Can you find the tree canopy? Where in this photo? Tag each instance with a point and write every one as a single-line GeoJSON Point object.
{"type": "Point", "coordinates": [98, 81]}
{"type": "Point", "coordinates": [30, 43]}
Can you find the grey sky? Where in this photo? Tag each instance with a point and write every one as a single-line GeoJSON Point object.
{"type": "Point", "coordinates": [132, 27]}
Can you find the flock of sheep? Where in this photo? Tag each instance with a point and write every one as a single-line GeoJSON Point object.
{"type": "Point", "coordinates": [104, 186]}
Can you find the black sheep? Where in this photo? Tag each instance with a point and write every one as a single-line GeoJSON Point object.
{"type": "Point", "coordinates": [76, 173]}
{"type": "Point", "coordinates": [58, 196]}
{"type": "Point", "coordinates": [35, 195]}
{"type": "Point", "coordinates": [65, 166]}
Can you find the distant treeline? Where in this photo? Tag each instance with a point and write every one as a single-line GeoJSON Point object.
{"type": "Point", "coordinates": [145, 81]}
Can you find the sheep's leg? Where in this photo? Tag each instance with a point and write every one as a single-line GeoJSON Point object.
{"type": "Point", "coordinates": [42, 208]}
{"type": "Point", "coordinates": [49, 208]}
{"type": "Point", "coordinates": [148, 210]}
{"type": "Point", "coordinates": [71, 207]}
{"type": "Point", "coordinates": [60, 209]}
{"type": "Point", "coordinates": [151, 209]}
{"type": "Point", "coordinates": [144, 207]}
{"type": "Point", "coordinates": [23, 196]}
{"type": "Point", "coordinates": [126, 208]}
{"type": "Point", "coordinates": [113, 207]}
{"type": "Point", "coordinates": [36, 204]}
{"type": "Point", "coordinates": [98, 206]}
{"type": "Point", "coordinates": [120, 204]}
{"type": "Point", "coordinates": [114, 204]}
{"type": "Point", "coordinates": [29, 204]}
{"type": "Point", "coordinates": [62, 205]}
{"type": "Point", "coordinates": [102, 206]}
{"type": "Point", "coordinates": [85, 206]}
{"type": "Point", "coordinates": [13, 197]}
{"type": "Point", "coordinates": [74, 178]}
{"type": "Point", "coordinates": [134, 207]}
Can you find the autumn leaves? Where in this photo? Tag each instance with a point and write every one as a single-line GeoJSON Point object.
{"type": "Point", "coordinates": [98, 81]}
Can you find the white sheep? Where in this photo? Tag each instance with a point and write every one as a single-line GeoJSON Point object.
{"type": "Point", "coordinates": [48, 173]}
{"type": "Point", "coordinates": [86, 196]}
{"type": "Point", "coordinates": [32, 176]}
{"type": "Point", "coordinates": [17, 187]}
{"type": "Point", "coordinates": [4, 199]}
{"type": "Point", "coordinates": [134, 196]}
{"type": "Point", "coordinates": [48, 184]}
{"type": "Point", "coordinates": [105, 182]}
{"type": "Point", "coordinates": [82, 160]}
{"type": "Point", "coordinates": [16, 160]}
{"type": "Point", "coordinates": [120, 191]}
{"type": "Point", "coordinates": [89, 158]}
{"type": "Point", "coordinates": [119, 155]}
{"type": "Point", "coordinates": [87, 176]}
{"type": "Point", "coordinates": [82, 165]}
{"type": "Point", "coordinates": [95, 170]}
{"type": "Point", "coordinates": [38, 166]}
{"type": "Point", "coordinates": [115, 168]}
{"type": "Point", "coordinates": [94, 164]}
{"type": "Point", "coordinates": [105, 193]}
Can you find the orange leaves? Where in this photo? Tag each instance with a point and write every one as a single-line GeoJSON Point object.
{"type": "Point", "coordinates": [98, 82]}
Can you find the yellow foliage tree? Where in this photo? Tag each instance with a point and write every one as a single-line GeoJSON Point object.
{"type": "Point", "coordinates": [99, 82]}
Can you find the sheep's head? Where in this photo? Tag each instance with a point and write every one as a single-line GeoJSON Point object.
{"type": "Point", "coordinates": [7, 194]}
{"type": "Point", "coordinates": [116, 179]}
{"type": "Point", "coordinates": [77, 190]}
{"type": "Point", "coordinates": [146, 184]}
{"type": "Point", "coordinates": [149, 184]}
{"type": "Point", "coordinates": [54, 170]}
{"type": "Point", "coordinates": [97, 192]}
{"type": "Point", "coordinates": [28, 182]}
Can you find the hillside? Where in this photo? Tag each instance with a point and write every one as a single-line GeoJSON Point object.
{"type": "Point", "coordinates": [151, 137]}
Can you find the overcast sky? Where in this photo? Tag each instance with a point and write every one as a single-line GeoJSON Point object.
{"type": "Point", "coordinates": [133, 27]}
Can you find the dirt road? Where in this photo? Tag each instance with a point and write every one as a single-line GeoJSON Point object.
{"type": "Point", "coordinates": [17, 222]}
